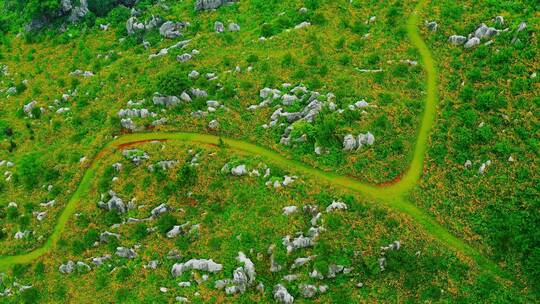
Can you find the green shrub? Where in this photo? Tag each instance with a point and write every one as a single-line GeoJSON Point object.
{"type": "Point", "coordinates": [30, 170]}
{"type": "Point", "coordinates": [39, 269]}
{"type": "Point", "coordinates": [287, 60]}
{"type": "Point", "coordinates": [345, 59]}
{"type": "Point", "coordinates": [267, 30]}
{"type": "Point", "coordinates": [490, 100]}
{"type": "Point", "coordinates": [101, 7]}
{"type": "Point", "coordinates": [118, 16]}
{"type": "Point", "coordinates": [111, 218]}
{"type": "Point", "coordinates": [166, 222]}
{"type": "Point", "coordinates": [123, 295]}
{"type": "Point", "coordinates": [140, 231]}
{"type": "Point", "coordinates": [12, 213]}
{"type": "Point", "coordinates": [252, 58]}
{"type": "Point", "coordinates": [186, 176]}
{"type": "Point", "coordinates": [30, 296]}
{"type": "Point", "coordinates": [173, 82]}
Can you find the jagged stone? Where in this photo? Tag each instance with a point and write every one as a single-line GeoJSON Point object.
{"type": "Point", "coordinates": [201, 5]}
{"type": "Point", "coordinates": [281, 295]}
{"type": "Point", "coordinates": [196, 264]}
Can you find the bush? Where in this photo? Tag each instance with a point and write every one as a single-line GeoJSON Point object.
{"type": "Point", "coordinates": [30, 295]}
{"type": "Point", "coordinates": [12, 213]}
{"type": "Point", "coordinates": [30, 170]}
{"type": "Point", "coordinates": [252, 58]}
{"type": "Point", "coordinates": [173, 82]}
{"type": "Point", "coordinates": [166, 222]}
{"type": "Point", "coordinates": [140, 231]}
{"type": "Point", "coordinates": [345, 60]}
{"type": "Point", "coordinates": [186, 176]}
{"type": "Point", "coordinates": [490, 100]}
{"type": "Point", "coordinates": [101, 7]}
{"type": "Point", "coordinates": [90, 237]}
{"type": "Point", "coordinates": [112, 218]}
{"type": "Point", "coordinates": [39, 269]}
{"type": "Point", "coordinates": [267, 30]}
{"type": "Point", "coordinates": [118, 16]}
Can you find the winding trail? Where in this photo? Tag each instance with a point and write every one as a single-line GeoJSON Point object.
{"type": "Point", "coordinates": [392, 196]}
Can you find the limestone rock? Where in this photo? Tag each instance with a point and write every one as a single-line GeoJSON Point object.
{"type": "Point", "coordinates": [196, 264]}
{"type": "Point", "coordinates": [281, 295]}
{"type": "Point", "coordinates": [457, 39]}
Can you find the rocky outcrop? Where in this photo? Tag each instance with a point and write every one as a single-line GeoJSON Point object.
{"type": "Point", "coordinates": [72, 11]}
{"type": "Point", "coordinates": [203, 5]}
{"type": "Point", "coordinates": [196, 264]}
{"type": "Point", "coordinates": [171, 29]}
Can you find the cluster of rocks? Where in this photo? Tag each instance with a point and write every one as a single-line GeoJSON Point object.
{"type": "Point", "coordinates": [172, 29]}
{"type": "Point", "coordinates": [127, 115]}
{"type": "Point", "coordinates": [243, 277]}
{"type": "Point", "coordinates": [396, 245]}
{"type": "Point", "coordinates": [483, 166]}
{"type": "Point", "coordinates": [196, 264]}
{"type": "Point", "coordinates": [219, 27]}
{"type": "Point", "coordinates": [135, 155]}
{"type": "Point", "coordinates": [16, 288]}
{"type": "Point", "coordinates": [171, 101]}
{"type": "Point", "coordinates": [312, 100]}
{"type": "Point", "coordinates": [309, 239]}
{"type": "Point", "coordinates": [351, 142]}
{"type": "Point", "coordinates": [242, 170]}
{"type": "Point", "coordinates": [79, 73]}
{"type": "Point", "coordinates": [483, 32]}
{"type": "Point", "coordinates": [128, 253]}
{"type": "Point", "coordinates": [313, 103]}
{"type": "Point", "coordinates": [203, 5]}
{"type": "Point", "coordinates": [70, 266]}
{"type": "Point", "coordinates": [7, 174]}
{"type": "Point", "coordinates": [131, 113]}
{"type": "Point", "coordinates": [167, 29]}
{"type": "Point", "coordinates": [181, 44]}
{"type": "Point", "coordinates": [29, 107]}
{"type": "Point", "coordinates": [187, 56]}
{"type": "Point", "coordinates": [73, 11]}
{"type": "Point", "coordinates": [163, 165]}
{"type": "Point", "coordinates": [280, 292]}
{"type": "Point", "coordinates": [114, 203]}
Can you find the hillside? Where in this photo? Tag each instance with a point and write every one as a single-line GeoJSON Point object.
{"type": "Point", "coordinates": [219, 151]}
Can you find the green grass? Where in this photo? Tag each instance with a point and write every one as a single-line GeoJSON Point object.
{"type": "Point", "coordinates": [417, 179]}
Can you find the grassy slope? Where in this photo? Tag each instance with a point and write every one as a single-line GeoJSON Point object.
{"type": "Point", "coordinates": [459, 230]}
{"type": "Point", "coordinates": [120, 77]}
{"type": "Point", "coordinates": [245, 206]}
{"type": "Point", "coordinates": [495, 212]}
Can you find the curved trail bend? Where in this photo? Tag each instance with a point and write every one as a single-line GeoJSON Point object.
{"type": "Point", "coordinates": [392, 195]}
